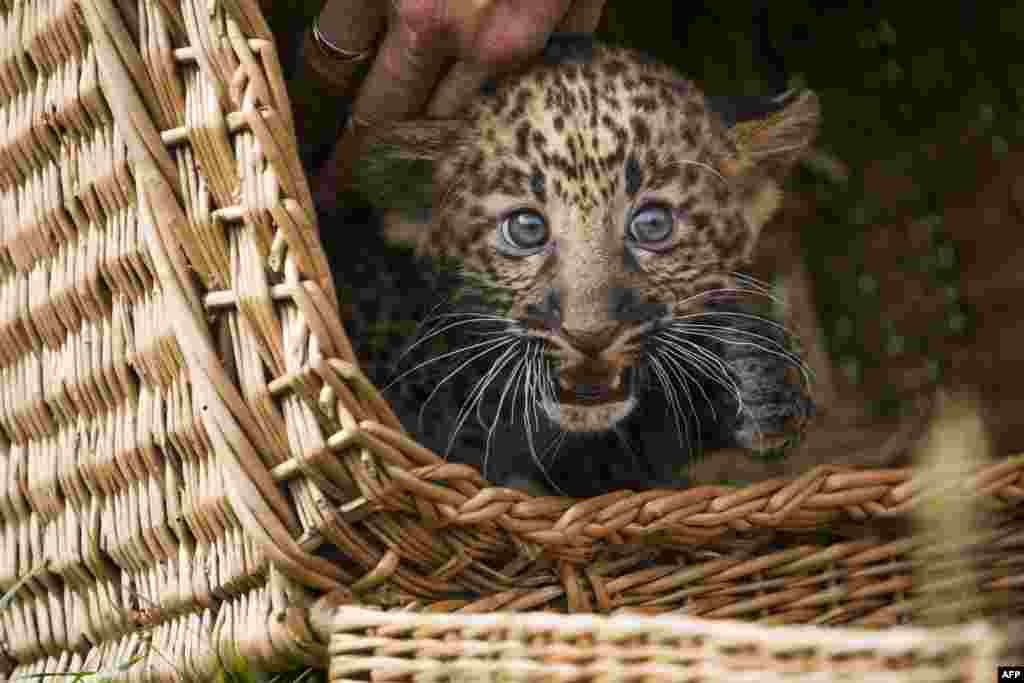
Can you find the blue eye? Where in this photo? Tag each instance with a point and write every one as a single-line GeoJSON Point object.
{"type": "Point", "coordinates": [524, 230]}
{"type": "Point", "coordinates": [650, 225]}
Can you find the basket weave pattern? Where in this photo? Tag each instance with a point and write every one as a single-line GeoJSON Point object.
{"type": "Point", "coordinates": [546, 647]}
{"type": "Point", "coordinates": [148, 188]}
{"type": "Point", "coordinates": [190, 453]}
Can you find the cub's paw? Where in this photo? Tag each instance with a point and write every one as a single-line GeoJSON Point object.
{"type": "Point", "coordinates": [774, 406]}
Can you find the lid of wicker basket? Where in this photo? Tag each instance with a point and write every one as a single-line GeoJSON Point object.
{"type": "Point", "coordinates": [191, 455]}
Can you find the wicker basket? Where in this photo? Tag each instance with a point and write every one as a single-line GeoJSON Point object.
{"type": "Point", "coordinates": [195, 470]}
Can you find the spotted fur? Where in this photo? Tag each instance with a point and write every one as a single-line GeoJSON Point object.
{"type": "Point", "coordinates": [584, 138]}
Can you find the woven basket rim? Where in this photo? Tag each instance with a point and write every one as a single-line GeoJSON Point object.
{"type": "Point", "coordinates": [200, 459]}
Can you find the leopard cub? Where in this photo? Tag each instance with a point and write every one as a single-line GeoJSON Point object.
{"type": "Point", "coordinates": [599, 208]}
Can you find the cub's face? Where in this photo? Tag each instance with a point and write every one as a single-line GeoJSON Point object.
{"type": "Point", "coordinates": [604, 198]}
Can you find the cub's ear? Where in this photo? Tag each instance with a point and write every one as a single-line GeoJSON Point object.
{"type": "Point", "coordinates": [396, 163]}
{"type": "Point", "coordinates": [770, 134]}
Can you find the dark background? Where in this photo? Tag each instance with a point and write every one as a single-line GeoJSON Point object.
{"type": "Point", "coordinates": [903, 232]}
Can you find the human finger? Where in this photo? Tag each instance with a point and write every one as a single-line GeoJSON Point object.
{"type": "Point", "coordinates": [408, 65]}
{"type": "Point", "coordinates": [462, 81]}
{"type": "Point", "coordinates": [342, 39]}
{"type": "Point", "coordinates": [508, 34]}
{"type": "Point", "coordinates": [514, 31]}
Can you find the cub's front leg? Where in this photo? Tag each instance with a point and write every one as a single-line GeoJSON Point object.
{"type": "Point", "coordinates": [774, 405]}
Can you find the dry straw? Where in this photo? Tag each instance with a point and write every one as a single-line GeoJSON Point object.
{"type": "Point", "coordinates": [194, 470]}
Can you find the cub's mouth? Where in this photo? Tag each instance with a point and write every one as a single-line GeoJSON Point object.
{"type": "Point", "coordinates": [591, 402]}
{"type": "Point", "coordinates": [593, 391]}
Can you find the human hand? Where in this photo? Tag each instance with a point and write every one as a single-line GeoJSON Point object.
{"type": "Point", "coordinates": [434, 56]}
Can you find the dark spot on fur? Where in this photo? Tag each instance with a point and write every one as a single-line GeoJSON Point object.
{"type": "Point", "coordinates": [685, 206]}
{"type": "Point", "coordinates": [477, 185]}
{"type": "Point", "coordinates": [700, 220]}
{"type": "Point", "coordinates": [613, 183]}
{"type": "Point", "coordinates": [620, 133]}
{"type": "Point", "coordinates": [522, 138]}
{"type": "Point", "coordinates": [590, 76]}
{"type": "Point", "coordinates": [519, 110]}
{"type": "Point", "coordinates": [594, 105]}
{"type": "Point", "coordinates": [570, 101]}
{"type": "Point", "coordinates": [501, 100]}
{"type": "Point", "coordinates": [500, 177]}
{"type": "Point", "coordinates": [518, 181]}
{"type": "Point", "coordinates": [559, 123]}
{"type": "Point", "coordinates": [644, 103]}
{"type": "Point", "coordinates": [489, 87]}
{"type": "Point", "coordinates": [662, 174]}
{"type": "Point", "coordinates": [665, 96]}
{"type": "Point", "coordinates": [691, 175]}
{"type": "Point", "coordinates": [614, 67]}
{"type": "Point", "coordinates": [629, 261]}
{"type": "Point", "coordinates": [476, 164]}
{"type": "Point", "coordinates": [634, 176]}
{"type": "Point", "coordinates": [539, 141]}
{"type": "Point", "coordinates": [641, 131]}
{"type": "Point", "coordinates": [538, 185]}
{"type": "Point", "coordinates": [567, 167]}
{"type": "Point", "coordinates": [570, 142]}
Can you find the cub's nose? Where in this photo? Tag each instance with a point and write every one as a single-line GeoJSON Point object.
{"type": "Point", "coordinates": [591, 323]}
{"type": "Point", "coordinates": [591, 341]}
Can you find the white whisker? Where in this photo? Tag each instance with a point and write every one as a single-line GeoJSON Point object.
{"type": "Point", "coordinates": [734, 314]}
{"type": "Point", "coordinates": [535, 373]}
{"type": "Point", "coordinates": [444, 328]}
{"type": "Point", "coordinates": [670, 394]}
{"type": "Point", "coordinates": [623, 440]}
{"type": "Point", "coordinates": [703, 360]}
{"type": "Point", "coordinates": [551, 451]}
{"type": "Point", "coordinates": [435, 359]}
{"type": "Point", "coordinates": [677, 368]}
{"type": "Point", "coordinates": [677, 364]}
{"type": "Point", "coordinates": [779, 351]}
{"type": "Point", "coordinates": [437, 387]}
{"type": "Point", "coordinates": [477, 393]}
{"type": "Point", "coordinates": [509, 383]}
{"type": "Point", "coordinates": [754, 283]}
{"type": "Point", "coordinates": [701, 164]}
